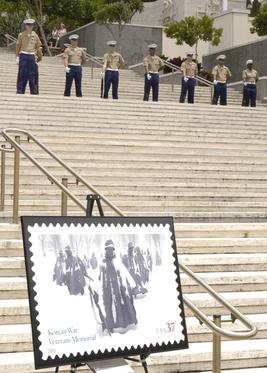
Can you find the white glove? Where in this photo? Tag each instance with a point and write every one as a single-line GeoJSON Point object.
{"type": "Point", "coordinates": [245, 83]}
{"type": "Point", "coordinates": [215, 82]}
{"type": "Point", "coordinates": [17, 60]}
{"type": "Point", "coordinates": [67, 70]}
{"type": "Point", "coordinates": [185, 79]}
{"type": "Point", "coordinates": [148, 76]}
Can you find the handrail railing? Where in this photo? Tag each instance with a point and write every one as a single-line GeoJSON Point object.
{"type": "Point", "coordinates": [197, 77]}
{"type": "Point", "coordinates": [11, 40]}
{"type": "Point", "coordinates": [174, 68]}
{"type": "Point", "coordinates": [15, 143]}
{"type": "Point", "coordinates": [214, 326]}
{"type": "Point", "coordinates": [234, 312]}
{"type": "Point", "coordinates": [3, 151]}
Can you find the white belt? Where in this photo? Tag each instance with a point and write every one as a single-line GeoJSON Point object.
{"type": "Point", "coordinates": [221, 81]}
{"type": "Point", "coordinates": [109, 69]}
{"type": "Point", "coordinates": [254, 83]}
{"type": "Point", "coordinates": [74, 64]}
{"type": "Point", "coordinates": [152, 72]}
{"type": "Point", "coordinates": [29, 53]}
{"type": "Point", "coordinates": [190, 77]}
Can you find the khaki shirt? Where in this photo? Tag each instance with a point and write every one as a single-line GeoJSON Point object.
{"type": "Point", "coordinates": [75, 56]}
{"type": "Point", "coordinates": [113, 61]}
{"type": "Point", "coordinates": [28, 43]}
{"type": "Point", "coordinates": [221, 73]}
{"type": "Point", "coordinates": [189, 69]}
{"type": "Point", "coordinates": [250, 76]}
{"type": "Point", "coordinates": [153, 63]}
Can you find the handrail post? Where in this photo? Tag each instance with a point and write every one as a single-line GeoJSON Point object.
{"type": "Point", "coordinates": [3, 178]}
{"type": "Point", "coordinates": [64, 198]}
{"type": "Point", "coordinates": [216, 350]}
{"type": "Point", "coordinates": [92, 70]}
{"type": "Point", "coordinates": [16, 183]}
{"type": "Point", "coordinates": [172, 80]}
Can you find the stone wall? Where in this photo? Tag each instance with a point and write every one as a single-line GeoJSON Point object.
{"type": "Point", "coordinates": [237, 57]}
{"type": "Point", "coordinates": [134, 41]}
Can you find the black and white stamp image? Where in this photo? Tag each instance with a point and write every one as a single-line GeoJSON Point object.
{"type": "Point", "coordinates": [99, 288]}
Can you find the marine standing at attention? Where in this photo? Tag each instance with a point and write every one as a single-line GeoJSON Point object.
{"type": "Point", "coordinates": [189, 70]}
{"type": "Point", "coordinates": [221, 74]}
{"type": "Point", "coordinates": [250, 78]}
{"type": "Point", "coordinates": [28, 44]}
{"type": "Point", "coordinates": [74, 58]}
{"type": "Point", "coordinates": [153, 64]}
{"type": "Point", "coordinates": [113, 61]}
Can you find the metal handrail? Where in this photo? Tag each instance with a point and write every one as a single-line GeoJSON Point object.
{"type": "Point", "coordinates": [79, 179]}
{"type": "Point", "coordinates": [177, 68]}
{"type": "Point", "coordinates": [3, 151]}
{"type": "Point", "coordinates": [11, 38]}
{"type": "Point", "coordinates": [200, 315]}
{"type": "Point", "coordinates": [197, 77]}
{"type": "Point", "coordinates": [214, 325]}
{"type": "Point", "coordinates": [97, 60]}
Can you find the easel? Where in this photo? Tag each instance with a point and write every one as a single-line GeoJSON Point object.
{"type": "Point", "coordinates": [113, 365]}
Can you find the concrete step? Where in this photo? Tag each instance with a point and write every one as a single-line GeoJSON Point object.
{"type": "Point", "coordinates": [242, 354]}
{"type": "Point", "coordinates": [213, 230]}
{"type": "Point", "coordinates": [16, 311]}
{"type": "Point", "coordinates": [197, 358]}
{"type": "Point", "coordinates": [17, 338]}
{"type": "Point", "coordinates": [185, 217]}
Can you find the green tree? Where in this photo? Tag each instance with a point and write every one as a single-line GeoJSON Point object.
{"type": "Point", "coordinates": [254, 6]}
{"type": "Point", "coordinates": [73, 13]}
{"type": "Point", "coordinates": [47, 13]}
{"type": "Point", "coordinates": [191, 30]}
{"type": "Point", "coordinates": [118, 11]}
{"type": "Point", "coordinates": [259, 23]}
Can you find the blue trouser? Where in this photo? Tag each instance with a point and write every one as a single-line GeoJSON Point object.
{"type": "Point", "coordinates": [111, 77]}
{"type": "Point", "coordinates": [76, 75]}
{"type": "Point", "coordinates": [188, 88]}
{"type": "Point", "coordinates": [220, 92]}
{"type": "Point", "coordinates": [27, 73]}
{"type": "Point", "coordinates": [154, 84]}
{"type": "Point", "coordinates": [250, 95]}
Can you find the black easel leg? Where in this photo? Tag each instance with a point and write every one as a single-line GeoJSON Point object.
{"type": "Point", "coordinates": [73, 369]}
{"type": "Point", "coordinates": [91, 199]}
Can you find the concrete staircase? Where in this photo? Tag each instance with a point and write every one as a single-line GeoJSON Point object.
{"type": "Point", "coordinates": [199, 163]}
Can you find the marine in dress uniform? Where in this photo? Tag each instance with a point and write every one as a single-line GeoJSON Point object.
{"type": "Point", "coordinates": [221, 74]}
{"type": "Point", "coordinates": [74, 58]}
{"type": "Point", "coordinates": [153, 64]}
{"type": "Point", "coordinates": [189, 70]}
{"type": "Point", "coordinates": [28, 44]}
{"type": "Point", "coordinates": [113, 61]}
{"type": "Point", "coordinates": [250, 77]}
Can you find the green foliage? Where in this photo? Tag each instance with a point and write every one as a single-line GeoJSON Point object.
{"type": "Point", "coordinates": [118, 11]}
{"type": "Point", "coordinates": [12, 16]}
{"type": "Point", "coordinates": [255, 7]}
{"type": "Point", "coordinates": [259, 23]}
{"type": "Point", "coordinates": [73, 13]}
{"type": "Point", "coordinates": [191, 30]}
